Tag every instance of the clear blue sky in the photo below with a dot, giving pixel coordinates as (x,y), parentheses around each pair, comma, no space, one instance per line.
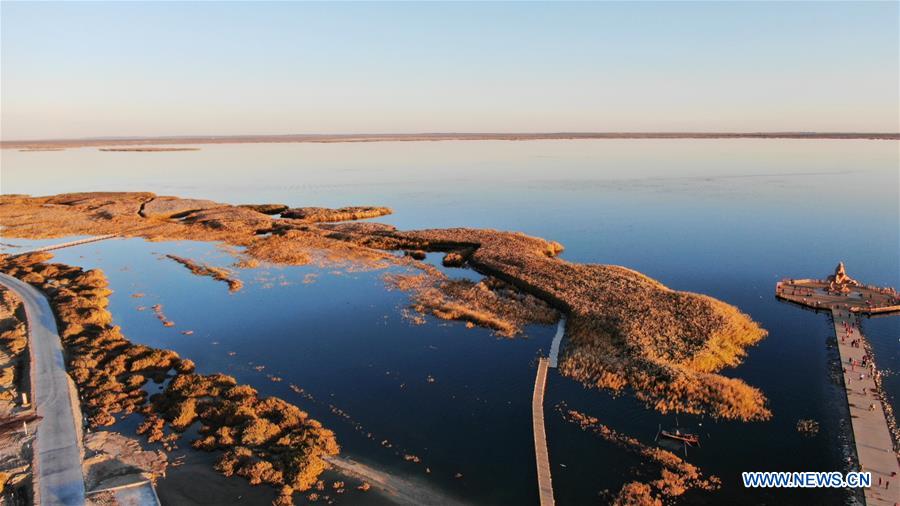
(117,69)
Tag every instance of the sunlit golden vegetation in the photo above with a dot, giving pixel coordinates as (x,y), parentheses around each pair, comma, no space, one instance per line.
(217,273)
(13,354)
(324,214)
(675,476)
(625,331)
(266,440)
(489,303)
(16,446)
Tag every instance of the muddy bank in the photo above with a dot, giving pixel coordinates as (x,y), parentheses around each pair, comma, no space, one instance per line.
(399,490)
(625,330)
(196,482)
(114,460)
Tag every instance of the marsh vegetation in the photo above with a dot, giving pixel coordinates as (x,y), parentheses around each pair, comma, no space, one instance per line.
(217,273)
(625,330)
(266,440)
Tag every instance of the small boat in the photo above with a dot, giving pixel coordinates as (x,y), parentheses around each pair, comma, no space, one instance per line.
(686,439)
(690,439)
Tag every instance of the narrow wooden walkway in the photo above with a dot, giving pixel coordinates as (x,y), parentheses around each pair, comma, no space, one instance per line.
(545,483)
(557,339)
(69,244)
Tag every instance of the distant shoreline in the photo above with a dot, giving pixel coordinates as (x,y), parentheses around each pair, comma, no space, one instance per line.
(148,148)
(328,138)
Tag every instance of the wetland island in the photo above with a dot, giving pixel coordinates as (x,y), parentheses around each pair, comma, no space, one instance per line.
(624,331)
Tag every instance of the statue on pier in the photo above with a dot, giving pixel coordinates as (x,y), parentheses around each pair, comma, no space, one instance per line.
(840,282)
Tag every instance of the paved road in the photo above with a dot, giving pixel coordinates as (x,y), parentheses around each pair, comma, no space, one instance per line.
(58,453)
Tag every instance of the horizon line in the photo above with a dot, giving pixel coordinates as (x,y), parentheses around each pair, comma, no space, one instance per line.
(435,136)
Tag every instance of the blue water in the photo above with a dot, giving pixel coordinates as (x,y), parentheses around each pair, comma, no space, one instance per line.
(726,218)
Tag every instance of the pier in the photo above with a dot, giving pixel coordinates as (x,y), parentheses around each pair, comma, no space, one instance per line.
(557,339)
(846,299)
(542,456)
(545,483)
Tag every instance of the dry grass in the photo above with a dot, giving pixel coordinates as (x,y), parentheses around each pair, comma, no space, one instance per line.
(489,303)
(15,451)
(675,476)
(324,214)
(807,428)
(158,218)
(266,208)
(107,368)
(13,330)
(112,456)
(289,248)
(624,329)
(265,440)
(216,273)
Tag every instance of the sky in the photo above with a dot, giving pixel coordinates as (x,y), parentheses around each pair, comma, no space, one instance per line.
(72,70)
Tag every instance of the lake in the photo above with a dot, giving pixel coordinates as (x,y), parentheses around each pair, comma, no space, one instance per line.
(727,218)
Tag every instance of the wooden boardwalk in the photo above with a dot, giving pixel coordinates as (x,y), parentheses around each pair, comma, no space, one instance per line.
(868,418)
(69,244)
(557,339)
(545,483)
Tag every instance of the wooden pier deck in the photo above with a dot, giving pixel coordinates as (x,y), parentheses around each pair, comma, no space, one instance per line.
(868,418)
(557,339)
(545,483)
(542,456)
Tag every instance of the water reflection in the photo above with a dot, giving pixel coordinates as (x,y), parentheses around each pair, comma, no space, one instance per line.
(725,218)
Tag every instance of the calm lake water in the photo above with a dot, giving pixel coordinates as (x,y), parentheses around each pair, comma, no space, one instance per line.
(727,218)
